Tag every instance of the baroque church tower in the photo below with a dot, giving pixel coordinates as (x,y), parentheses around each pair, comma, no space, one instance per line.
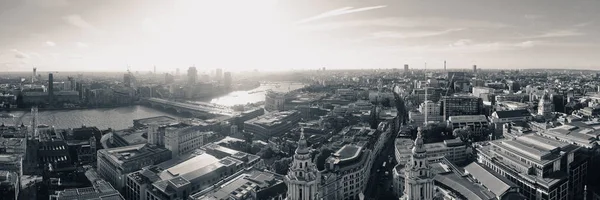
(303,177)
(418,177)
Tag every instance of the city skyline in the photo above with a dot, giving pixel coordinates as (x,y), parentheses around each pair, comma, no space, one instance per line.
(62,35)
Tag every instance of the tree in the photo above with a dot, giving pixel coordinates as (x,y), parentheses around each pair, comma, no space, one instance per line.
(282,166)
(465,134)
(266,153)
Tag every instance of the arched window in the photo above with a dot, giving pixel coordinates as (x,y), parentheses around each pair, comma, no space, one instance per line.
(300,165)
(306,165)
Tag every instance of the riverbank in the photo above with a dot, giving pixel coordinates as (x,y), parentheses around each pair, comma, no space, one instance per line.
(63,109)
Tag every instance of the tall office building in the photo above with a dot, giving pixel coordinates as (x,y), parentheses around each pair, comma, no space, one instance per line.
(51,88)
(405,67)
(219,74)
(474,68)
(303,177)
(461,105)
(419,179)
(72,82)
(227,80)
(192,74)
(34,75)
(444,65)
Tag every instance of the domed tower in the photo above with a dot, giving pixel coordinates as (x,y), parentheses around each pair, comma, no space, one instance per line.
(419,179)
(303,177)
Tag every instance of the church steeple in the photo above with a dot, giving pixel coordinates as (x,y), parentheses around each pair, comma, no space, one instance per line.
(302,179)
(419,179)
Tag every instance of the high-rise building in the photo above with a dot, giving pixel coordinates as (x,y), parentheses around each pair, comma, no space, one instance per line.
(474,68)
(227,80)
(51,88)
(73,83)
(169,78)
(303,177)
(545,107)
(418,176)
(219,74)
(405,67)
(461,105)
(192,74)
(34,75)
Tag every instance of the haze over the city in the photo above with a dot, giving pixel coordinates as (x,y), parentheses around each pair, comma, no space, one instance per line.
(108,35)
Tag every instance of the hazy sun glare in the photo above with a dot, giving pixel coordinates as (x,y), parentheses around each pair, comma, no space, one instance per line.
(219,34)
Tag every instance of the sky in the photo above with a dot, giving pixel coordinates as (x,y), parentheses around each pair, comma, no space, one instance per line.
(238,35)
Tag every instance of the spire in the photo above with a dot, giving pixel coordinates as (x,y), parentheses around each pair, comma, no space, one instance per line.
(302,146)
(419,148)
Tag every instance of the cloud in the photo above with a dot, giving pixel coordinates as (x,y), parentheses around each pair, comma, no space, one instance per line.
(82,45)
(339,11)
(50,43)
(412,34)
(19,54)
(559,33)
(584,24)
(78,21)
(48,3)
(526,44)
(403,22)
(533,16)
(461,42)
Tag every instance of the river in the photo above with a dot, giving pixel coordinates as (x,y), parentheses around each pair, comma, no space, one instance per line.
(122,117)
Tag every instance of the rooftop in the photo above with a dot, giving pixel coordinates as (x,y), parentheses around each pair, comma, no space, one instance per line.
(125,154)
(160,120)
(132,137)
(513,113)
(467,118)
(494,182)
(251,181)
(272,119)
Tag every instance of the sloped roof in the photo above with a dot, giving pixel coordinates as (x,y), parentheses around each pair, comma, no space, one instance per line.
(493,182)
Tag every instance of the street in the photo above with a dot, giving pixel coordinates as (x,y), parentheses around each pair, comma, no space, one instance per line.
(379,185)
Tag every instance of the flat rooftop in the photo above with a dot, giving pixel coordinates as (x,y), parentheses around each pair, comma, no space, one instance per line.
(160,120)
(132,137)
(348,152)
(272,119)
(467,118)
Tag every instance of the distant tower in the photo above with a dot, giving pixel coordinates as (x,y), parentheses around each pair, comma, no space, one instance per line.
(34,75)
(177,72)
(418,177)
(192,74)
(154,69)
(474,68)
(303,177)
(227,80)
(219,74)
(406,67)
(51,88)
(34,122)
(444,65)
